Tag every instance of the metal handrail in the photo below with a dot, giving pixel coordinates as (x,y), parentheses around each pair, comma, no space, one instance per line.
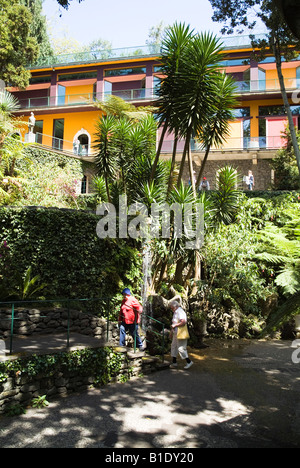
(14,303)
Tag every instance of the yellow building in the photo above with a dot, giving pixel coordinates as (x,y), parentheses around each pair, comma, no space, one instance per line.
(62,94)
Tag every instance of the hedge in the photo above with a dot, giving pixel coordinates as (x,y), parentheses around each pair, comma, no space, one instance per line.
(61,245)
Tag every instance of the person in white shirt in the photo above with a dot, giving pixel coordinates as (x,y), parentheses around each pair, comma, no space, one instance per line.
(178,345)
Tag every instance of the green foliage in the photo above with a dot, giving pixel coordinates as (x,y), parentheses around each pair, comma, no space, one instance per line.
(62,247)
(103,363)
(15,410)
(49,179)
(40,402)
(225,199)
(18,47)
(285,165)
(38,27)
(231,276)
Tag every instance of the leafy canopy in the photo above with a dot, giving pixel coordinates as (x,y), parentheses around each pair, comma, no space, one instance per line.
(17,47)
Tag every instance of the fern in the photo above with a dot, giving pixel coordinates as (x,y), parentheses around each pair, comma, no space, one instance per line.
(291,307)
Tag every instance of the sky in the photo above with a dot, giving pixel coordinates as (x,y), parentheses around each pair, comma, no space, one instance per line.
(125,23)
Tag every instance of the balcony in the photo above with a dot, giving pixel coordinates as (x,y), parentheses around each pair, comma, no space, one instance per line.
(247,144)
(148,94)
(231,144)
(266,86)
(85,99)
(229,42)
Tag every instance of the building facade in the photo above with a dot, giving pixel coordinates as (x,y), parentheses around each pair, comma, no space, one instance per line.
(63,92)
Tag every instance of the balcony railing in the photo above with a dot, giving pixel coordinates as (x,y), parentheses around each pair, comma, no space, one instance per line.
(232,144)
(259,86)
(242,87)
(229,42)
(86,98)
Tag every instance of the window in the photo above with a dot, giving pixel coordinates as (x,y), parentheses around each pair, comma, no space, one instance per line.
(298,77)
(77,76)
(38,130)
(241,112)
(61,95)
(261,79)
(58,134)
(125,71)
(40,79)
(156,84)
(107,87)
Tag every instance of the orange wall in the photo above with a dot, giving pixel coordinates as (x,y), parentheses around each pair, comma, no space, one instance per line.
(73,123)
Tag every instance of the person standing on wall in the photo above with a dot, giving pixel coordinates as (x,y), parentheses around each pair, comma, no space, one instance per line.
(129,318)
(250,180)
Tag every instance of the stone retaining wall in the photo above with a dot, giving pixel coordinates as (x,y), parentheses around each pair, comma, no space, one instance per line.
(49,321)
(21,389)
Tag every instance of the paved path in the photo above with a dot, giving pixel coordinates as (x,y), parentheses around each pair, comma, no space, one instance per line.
(237,394)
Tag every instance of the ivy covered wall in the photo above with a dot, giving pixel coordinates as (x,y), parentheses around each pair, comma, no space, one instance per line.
(61,245)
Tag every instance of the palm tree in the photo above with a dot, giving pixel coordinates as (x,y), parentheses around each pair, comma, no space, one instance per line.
(197,89)
(187,94)
(224,201)
(105,158)
(174,45)
(217,127)
(8,105)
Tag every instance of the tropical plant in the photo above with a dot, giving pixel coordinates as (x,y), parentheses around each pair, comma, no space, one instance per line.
(217,129)
(197,90)
(126,149)
(18,46)
(225,199)
(29,286)
(187,94)
(279,248)
(285,165)
(174,44)
(40,402)
(8,105)
(105,159)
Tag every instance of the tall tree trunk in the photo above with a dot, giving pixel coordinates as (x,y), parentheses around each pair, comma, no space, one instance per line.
(277,53)
(172,163)
(202,166)
(185,150)
(191,170)
(161,140)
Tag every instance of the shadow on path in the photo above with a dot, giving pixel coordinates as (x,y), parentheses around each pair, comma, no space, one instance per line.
(237,394)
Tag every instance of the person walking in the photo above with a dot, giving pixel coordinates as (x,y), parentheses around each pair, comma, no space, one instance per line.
(179,345)
(129,318)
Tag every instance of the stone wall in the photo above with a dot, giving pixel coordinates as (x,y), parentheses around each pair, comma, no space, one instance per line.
(257,162)
(21,389)
(49,321)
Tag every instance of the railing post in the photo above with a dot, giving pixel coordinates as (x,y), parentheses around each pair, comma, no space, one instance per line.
(68,326)
(135,327)
(107,322)
(12,327)
(163,343)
